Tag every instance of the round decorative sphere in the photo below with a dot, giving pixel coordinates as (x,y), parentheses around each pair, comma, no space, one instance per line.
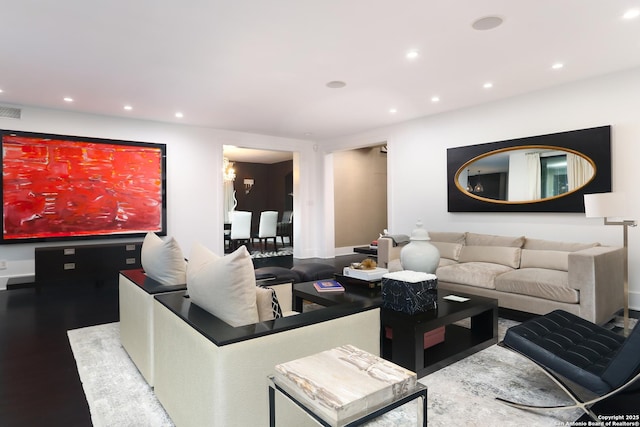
(419,254)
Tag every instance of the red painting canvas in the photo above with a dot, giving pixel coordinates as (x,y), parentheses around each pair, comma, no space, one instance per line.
(57,188)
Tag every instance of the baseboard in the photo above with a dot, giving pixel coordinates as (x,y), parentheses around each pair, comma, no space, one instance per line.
(19,282)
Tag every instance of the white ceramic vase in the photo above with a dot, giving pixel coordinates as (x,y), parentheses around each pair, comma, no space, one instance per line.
(419,254)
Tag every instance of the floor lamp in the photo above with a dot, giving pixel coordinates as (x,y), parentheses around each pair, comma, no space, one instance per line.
(613,205)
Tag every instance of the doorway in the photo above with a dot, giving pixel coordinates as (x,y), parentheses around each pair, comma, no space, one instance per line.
(360,202)
(262,181)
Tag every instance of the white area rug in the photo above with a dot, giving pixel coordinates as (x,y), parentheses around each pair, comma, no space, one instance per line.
(116,392)
(460,394)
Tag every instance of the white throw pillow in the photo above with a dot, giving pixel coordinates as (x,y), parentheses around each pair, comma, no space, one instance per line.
(224,286)
(163,260)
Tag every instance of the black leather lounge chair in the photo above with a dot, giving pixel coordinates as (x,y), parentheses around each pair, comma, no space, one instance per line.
(568,347)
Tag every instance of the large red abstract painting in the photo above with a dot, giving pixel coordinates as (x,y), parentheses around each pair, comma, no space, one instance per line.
(68,188)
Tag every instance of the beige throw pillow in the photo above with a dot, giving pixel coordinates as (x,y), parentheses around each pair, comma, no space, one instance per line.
(553,260)
(509,257)
(448,250)
(162,260)
(224,286)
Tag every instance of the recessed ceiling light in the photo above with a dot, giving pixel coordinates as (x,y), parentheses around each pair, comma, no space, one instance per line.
(128,107)
(68,99)
(413,54)
(179,115)
(393,110)
(336,84)
(487,23)
(435,99)
(557,65)
(1,91)
(631,13)
(487,85)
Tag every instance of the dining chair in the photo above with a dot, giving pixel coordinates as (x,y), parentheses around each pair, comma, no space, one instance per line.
(240,229)
(285,227)
(267,229)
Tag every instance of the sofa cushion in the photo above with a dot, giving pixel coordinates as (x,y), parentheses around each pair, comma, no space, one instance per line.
(539,244)
(447,237)
(162,260)
(538,282)
(493,254)
(475,239)
(481,274)
(224,286)
(446,261)
(448,250)
(554,260)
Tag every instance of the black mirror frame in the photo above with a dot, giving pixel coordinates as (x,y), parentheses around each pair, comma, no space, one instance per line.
(593,143)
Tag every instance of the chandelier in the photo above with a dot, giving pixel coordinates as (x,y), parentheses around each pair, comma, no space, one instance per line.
(228,173)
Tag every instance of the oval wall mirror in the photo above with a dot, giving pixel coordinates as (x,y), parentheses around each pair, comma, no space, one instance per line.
(528,174)
(543,173)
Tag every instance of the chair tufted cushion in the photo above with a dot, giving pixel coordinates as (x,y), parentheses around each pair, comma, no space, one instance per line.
(569,345)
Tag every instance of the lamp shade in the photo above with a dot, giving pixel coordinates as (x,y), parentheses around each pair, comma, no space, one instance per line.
(603,205)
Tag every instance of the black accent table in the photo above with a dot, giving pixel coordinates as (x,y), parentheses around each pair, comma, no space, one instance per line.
(407,346)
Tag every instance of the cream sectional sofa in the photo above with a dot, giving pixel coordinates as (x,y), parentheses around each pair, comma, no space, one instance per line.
(524,274)
(208,373)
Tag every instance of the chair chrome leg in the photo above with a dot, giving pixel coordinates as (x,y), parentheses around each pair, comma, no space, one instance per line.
(578,403)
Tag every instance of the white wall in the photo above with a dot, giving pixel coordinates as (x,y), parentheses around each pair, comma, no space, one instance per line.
(194,178)
(417,173)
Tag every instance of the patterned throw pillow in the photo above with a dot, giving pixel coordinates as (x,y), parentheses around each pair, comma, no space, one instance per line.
(267,303)
(275,305)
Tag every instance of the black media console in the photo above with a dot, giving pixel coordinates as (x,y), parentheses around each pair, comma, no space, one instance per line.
(85,263)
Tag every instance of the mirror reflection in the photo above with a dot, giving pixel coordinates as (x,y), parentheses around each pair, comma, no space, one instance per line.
(525,174)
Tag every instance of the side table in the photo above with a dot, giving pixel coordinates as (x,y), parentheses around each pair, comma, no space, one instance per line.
(345,386)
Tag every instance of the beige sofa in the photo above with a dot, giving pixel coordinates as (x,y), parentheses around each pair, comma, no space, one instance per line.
(524,274)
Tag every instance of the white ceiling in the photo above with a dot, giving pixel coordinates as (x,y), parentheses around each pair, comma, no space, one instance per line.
(262,65)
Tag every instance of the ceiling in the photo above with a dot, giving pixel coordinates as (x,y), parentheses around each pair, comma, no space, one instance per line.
(262,66)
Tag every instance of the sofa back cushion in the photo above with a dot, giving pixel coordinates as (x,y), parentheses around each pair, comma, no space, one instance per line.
(448,250)
(508,256)
(540,244)
(224,286)
(552,260)
(163,261)
(447,236)
(475,239)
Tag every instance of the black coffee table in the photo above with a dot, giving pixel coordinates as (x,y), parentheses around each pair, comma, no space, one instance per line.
(407,347)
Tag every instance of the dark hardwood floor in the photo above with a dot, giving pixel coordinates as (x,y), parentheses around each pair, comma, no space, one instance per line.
(39,382)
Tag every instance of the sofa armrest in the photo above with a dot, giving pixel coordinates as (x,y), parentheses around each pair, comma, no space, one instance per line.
(387,252)
(598,273)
